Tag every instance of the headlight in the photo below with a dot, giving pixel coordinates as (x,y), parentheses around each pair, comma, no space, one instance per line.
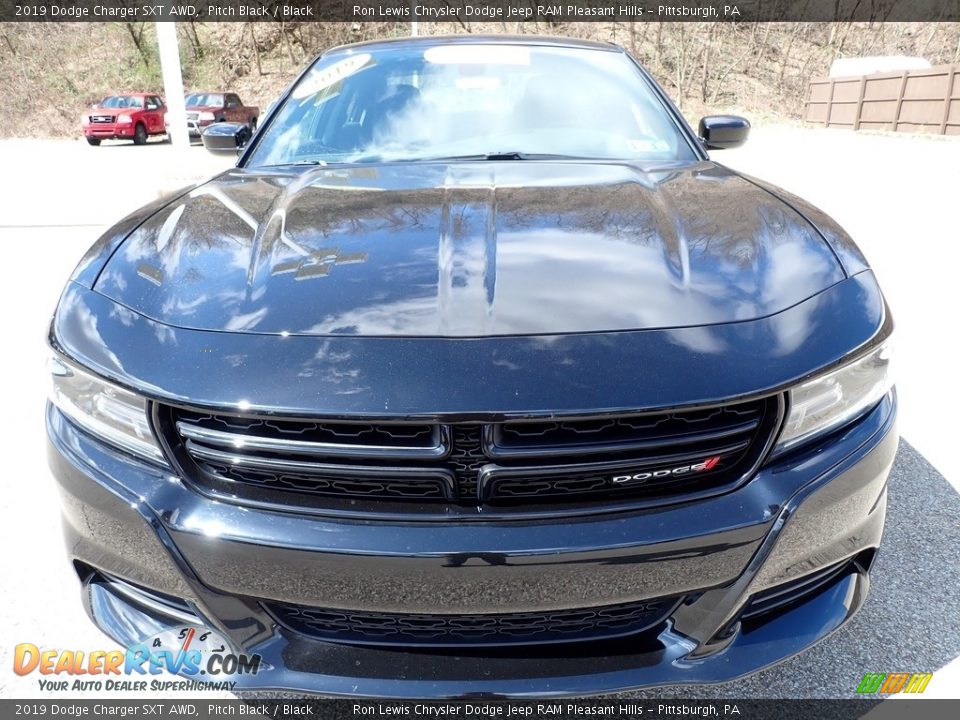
(827,402)
(85,119)
(113,414)
(124,119)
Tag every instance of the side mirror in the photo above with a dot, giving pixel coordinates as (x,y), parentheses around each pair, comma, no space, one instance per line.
(225,138)
(719,132)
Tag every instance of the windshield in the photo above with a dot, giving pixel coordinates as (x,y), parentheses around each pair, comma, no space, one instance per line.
(452,101)
(204,99)
(122,101)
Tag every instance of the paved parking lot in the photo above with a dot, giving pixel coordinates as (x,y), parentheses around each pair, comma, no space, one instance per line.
(893,193)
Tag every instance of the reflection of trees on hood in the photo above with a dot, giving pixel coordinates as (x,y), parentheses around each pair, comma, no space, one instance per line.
(686,211)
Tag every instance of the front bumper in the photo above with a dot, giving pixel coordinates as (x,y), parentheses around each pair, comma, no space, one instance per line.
(109,131)
(823,508)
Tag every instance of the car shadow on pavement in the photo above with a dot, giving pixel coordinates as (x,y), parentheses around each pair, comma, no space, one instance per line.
(910,621)
(109,143)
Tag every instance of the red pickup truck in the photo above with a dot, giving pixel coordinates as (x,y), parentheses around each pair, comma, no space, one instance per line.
(132,116)
(205,108)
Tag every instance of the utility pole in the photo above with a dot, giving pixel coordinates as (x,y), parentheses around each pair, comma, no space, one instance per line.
(172,82)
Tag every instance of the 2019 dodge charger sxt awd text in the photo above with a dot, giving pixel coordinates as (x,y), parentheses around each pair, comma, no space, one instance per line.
(476,375)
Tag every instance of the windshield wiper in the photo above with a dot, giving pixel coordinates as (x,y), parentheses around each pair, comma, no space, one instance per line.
(508,155)
(494,156)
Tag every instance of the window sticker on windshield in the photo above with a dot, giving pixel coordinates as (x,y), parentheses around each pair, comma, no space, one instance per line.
(477,55)
(478,83)
(648,145)
(323,79)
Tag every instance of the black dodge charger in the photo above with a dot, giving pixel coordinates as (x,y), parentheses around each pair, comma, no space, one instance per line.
(475,375)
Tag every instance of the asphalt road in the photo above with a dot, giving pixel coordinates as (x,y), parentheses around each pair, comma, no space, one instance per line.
(895,195)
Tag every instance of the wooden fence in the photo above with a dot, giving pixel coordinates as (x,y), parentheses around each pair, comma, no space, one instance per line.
(911,101)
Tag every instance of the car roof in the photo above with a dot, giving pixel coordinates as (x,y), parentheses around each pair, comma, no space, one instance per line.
(471,39)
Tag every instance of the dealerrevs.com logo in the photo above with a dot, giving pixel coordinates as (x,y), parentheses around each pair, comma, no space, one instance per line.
(199,655)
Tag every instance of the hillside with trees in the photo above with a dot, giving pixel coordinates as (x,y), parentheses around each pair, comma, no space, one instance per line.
(50,72)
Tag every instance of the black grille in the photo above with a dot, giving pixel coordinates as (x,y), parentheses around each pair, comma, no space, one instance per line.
(318,437)
(623,434)
(101,118)
(556,626)
(533,464)
(466,459)
(315,483)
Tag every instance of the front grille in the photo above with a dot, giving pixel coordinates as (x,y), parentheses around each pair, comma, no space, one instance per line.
(101,118)
(309,438)
(193,116)
(466,459)
(317,482)
(524,628)
(504,466)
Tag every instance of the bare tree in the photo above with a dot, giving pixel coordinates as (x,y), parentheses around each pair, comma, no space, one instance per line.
(189,29)
(136,34)
(256,49)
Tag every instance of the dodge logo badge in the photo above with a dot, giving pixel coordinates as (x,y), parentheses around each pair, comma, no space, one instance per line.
(707,464)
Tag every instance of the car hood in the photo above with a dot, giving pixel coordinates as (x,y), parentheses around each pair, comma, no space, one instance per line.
(111,110)
(469,250)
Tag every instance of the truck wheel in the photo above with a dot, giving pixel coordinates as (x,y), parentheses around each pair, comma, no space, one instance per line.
(93,141)
(140,135)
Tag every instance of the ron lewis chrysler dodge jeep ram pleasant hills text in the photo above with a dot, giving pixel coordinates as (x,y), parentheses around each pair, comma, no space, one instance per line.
(476,375)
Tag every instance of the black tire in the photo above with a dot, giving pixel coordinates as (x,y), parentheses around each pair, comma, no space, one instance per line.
(140,135)
(93,141)
(253,125)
